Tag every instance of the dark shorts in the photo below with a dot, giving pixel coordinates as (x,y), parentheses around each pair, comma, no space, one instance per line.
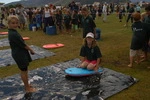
(146,48)
(22,61)
(22,65)
(23,68)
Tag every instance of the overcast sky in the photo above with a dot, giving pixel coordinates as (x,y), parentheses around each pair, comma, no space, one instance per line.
(7,1)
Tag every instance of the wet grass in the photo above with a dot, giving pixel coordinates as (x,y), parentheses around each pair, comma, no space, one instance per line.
(114,45)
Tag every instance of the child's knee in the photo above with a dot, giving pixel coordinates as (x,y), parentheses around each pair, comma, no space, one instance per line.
(90,67)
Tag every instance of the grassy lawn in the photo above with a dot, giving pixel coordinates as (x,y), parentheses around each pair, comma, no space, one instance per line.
(114,45)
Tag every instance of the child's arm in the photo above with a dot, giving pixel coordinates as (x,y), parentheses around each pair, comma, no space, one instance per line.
(31,51)
(82,60)
(97,64)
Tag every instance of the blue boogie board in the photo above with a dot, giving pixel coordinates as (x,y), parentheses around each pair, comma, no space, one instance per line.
(79,72)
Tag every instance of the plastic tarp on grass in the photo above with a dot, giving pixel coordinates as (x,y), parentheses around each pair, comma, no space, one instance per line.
(53,84)
(4,42)
(6,58)
(3,35)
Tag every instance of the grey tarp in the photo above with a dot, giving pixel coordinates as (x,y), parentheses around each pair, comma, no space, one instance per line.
(4,42)
(53,84)
(6,58)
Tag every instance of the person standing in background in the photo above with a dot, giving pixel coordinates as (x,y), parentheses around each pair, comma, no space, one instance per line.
(138,8)
(129,16)
(88,23)
(21,13)
(74,21)
(67,21)
(104,12)
(140,30)
(48,19)
(30,14)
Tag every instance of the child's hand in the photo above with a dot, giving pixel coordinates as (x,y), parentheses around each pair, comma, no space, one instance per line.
(32,52)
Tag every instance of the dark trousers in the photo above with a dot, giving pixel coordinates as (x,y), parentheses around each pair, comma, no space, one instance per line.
(48,22)
(130,17)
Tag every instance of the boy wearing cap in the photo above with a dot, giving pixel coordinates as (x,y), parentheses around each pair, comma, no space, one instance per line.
(88,23)
(90,53)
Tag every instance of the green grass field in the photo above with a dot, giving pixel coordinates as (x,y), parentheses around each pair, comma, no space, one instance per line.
(114,45)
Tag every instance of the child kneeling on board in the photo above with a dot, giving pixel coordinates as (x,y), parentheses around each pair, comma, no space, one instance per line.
(90,53)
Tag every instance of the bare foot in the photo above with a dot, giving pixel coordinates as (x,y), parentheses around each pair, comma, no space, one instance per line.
(129,65)
(30,89)
(30,85)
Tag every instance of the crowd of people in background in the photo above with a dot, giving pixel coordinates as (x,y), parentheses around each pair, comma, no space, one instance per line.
(66,17)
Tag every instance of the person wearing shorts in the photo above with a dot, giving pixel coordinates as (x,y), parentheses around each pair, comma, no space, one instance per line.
(146,46)
(90,53)
(139,30)
(67,21)
(19,51)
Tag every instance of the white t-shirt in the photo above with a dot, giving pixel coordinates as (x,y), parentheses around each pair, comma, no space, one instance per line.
(104,8)
(47,13)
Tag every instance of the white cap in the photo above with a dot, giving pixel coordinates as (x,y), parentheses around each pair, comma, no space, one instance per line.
(46,5)
(90,35)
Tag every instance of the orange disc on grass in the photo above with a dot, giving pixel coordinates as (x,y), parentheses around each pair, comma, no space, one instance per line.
(52,46)
(26,38)
(3,33)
